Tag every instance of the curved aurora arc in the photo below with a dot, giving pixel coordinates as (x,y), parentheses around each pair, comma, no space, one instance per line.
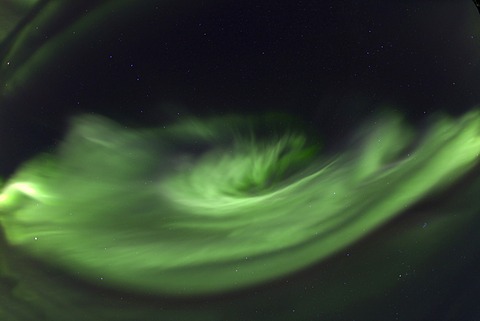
(207,207)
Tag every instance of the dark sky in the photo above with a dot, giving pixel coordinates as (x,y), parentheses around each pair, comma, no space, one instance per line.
(330,62)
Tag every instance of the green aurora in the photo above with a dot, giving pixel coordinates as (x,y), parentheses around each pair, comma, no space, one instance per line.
(229,218)
(215,206)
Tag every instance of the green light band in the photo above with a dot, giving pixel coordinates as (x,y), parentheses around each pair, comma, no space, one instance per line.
(212,206)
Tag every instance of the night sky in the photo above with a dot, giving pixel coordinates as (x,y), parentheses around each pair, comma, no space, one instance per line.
(332,65)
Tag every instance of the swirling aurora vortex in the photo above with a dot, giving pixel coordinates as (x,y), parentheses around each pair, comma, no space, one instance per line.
(203,207)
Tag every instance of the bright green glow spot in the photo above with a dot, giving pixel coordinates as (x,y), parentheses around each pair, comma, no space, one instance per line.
(11,193)
(204,207)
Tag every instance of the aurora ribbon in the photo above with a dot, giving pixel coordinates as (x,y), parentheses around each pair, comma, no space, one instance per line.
(212,206)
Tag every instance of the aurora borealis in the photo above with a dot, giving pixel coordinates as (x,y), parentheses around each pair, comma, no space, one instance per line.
(239,160)
(207,207)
